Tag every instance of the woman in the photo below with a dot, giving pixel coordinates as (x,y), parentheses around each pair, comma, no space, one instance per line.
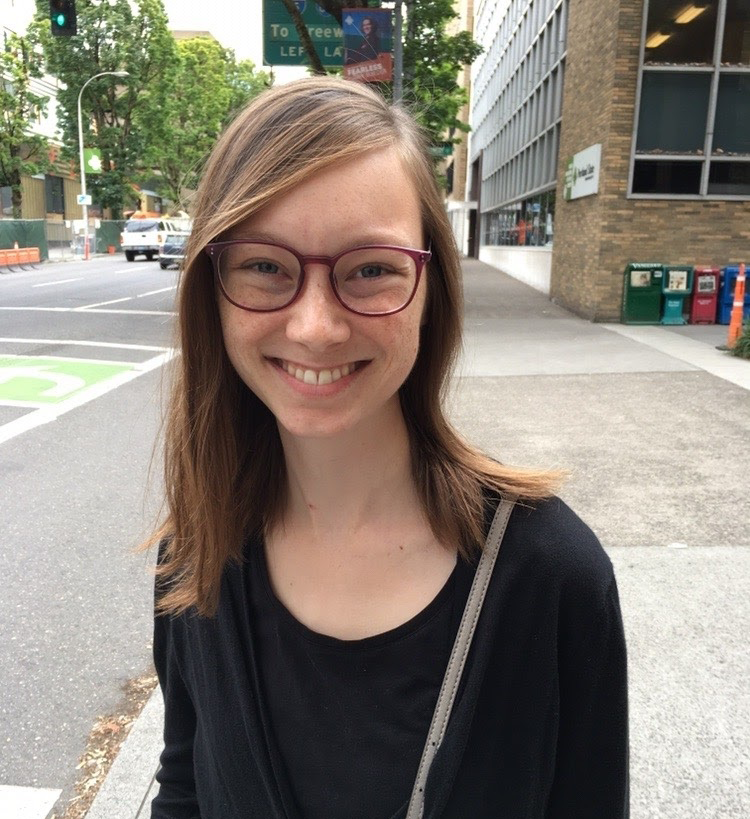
(324,520)
(368,45)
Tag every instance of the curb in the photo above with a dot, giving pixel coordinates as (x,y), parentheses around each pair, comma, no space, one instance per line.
(125,792)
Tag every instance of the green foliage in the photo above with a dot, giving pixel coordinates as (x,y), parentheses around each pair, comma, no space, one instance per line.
(22,152)
(113,35)
(432,62)
(209,86)
(742,345)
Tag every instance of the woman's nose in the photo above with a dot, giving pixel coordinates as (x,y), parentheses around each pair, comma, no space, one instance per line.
(316,318)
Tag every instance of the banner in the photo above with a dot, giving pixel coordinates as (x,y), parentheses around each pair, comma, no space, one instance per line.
(92,160)
(368,45)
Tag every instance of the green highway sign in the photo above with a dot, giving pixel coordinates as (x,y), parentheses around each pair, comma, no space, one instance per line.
(281,43)
(44,381)
(444,149)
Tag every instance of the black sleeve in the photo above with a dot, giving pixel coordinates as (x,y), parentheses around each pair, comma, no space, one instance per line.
(591,774)
(176,798)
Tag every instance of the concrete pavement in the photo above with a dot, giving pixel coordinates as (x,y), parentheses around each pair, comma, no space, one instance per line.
(654,425)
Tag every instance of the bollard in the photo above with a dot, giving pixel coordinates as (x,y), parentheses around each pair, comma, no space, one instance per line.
(735,323)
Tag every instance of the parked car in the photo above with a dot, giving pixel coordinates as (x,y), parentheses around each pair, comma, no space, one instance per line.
(144,237)
(172,251)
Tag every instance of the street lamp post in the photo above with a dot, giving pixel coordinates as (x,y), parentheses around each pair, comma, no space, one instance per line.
(80,150)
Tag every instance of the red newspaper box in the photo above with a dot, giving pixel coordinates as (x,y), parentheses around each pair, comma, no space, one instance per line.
(705,295)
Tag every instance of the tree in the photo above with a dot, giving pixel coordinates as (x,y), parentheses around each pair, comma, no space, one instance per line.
(113,35)
(432,60)
(22,152)
(210,86)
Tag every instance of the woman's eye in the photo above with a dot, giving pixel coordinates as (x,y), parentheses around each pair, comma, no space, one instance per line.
(370,271)
(266,267)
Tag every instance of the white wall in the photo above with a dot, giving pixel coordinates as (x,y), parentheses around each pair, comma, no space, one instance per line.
(531,265)
(458,213)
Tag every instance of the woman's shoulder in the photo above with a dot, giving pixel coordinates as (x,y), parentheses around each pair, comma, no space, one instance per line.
(547,538)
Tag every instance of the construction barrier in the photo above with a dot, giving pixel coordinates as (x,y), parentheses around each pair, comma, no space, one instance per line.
(735,323)
(19,256)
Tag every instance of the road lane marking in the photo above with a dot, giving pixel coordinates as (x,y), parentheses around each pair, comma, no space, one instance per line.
(89,310)
(60,281)
(104,303)
(52,412)
(154,292)
(77,343)
(27,803)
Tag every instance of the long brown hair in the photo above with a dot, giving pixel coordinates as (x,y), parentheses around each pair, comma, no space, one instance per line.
(224,465)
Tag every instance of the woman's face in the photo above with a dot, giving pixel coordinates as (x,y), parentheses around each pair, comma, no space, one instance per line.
(366,27)
(368,200)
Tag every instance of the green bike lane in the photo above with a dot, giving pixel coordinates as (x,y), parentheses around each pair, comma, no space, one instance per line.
(37,389)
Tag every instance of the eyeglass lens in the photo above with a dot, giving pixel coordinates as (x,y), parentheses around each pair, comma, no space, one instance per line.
(367,280)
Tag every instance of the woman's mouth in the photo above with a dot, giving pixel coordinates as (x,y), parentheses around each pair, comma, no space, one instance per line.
(317,377)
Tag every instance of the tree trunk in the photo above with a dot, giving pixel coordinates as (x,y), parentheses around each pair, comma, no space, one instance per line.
(304,37)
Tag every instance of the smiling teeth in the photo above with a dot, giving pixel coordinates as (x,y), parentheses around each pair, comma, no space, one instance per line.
(318,378)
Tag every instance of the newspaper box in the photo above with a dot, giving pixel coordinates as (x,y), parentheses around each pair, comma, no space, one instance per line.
(705,295)
(726,295)
(641,299)
(676,286)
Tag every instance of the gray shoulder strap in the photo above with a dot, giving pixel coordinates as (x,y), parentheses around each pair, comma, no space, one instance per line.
(458,655)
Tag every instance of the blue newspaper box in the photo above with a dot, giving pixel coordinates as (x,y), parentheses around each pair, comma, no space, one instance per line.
(726,295)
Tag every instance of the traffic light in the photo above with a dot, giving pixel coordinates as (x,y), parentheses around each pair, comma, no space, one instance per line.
(62,15)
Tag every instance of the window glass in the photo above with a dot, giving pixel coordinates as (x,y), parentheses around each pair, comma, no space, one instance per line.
(681,31)
(6,208)
(673,112)
(732,124)
(653,176)
(53,188)
(736,46)
(729,178)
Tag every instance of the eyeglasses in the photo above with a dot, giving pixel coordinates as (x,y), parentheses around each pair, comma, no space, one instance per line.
(373,280)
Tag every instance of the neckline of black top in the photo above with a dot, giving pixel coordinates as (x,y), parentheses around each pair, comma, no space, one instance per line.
(287,619)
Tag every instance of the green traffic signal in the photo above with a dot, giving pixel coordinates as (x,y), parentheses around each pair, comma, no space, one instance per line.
(62,14)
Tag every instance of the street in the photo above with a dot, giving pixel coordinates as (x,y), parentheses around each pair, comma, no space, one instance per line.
(75,499)
(651,422)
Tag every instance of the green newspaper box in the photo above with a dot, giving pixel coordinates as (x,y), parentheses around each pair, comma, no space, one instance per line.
(677,285)
(642,293)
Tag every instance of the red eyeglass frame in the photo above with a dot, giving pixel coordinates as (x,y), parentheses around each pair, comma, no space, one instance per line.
(213,251)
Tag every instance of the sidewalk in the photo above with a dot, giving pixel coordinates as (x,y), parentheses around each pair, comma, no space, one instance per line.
(654,424)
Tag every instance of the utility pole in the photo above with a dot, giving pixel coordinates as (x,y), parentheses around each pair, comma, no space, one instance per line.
(398,55)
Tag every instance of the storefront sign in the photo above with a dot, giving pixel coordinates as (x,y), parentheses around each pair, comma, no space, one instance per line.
(582,173)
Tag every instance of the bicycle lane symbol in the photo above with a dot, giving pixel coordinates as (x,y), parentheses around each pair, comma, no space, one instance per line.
(39,382)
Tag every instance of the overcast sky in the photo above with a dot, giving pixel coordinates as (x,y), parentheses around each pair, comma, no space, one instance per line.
(236,24)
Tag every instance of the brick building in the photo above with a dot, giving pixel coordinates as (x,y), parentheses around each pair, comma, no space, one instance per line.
(610,131)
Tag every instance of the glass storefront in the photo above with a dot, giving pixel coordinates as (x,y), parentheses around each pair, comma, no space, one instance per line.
(529,223)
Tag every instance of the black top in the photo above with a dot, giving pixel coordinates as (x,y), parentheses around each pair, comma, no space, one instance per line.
(538,730)
(351,713)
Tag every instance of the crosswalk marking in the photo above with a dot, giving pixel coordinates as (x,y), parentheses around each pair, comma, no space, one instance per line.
(26,803)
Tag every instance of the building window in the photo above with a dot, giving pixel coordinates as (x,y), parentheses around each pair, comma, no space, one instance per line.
(736,45)
(528,223)
(6,202)
(53,189)
(691,137)
(673,113)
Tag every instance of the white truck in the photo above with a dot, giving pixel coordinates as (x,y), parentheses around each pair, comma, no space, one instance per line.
(144,237)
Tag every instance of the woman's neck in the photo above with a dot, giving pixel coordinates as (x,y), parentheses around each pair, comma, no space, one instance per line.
(341,486)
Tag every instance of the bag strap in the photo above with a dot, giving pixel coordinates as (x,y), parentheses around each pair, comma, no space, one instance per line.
(458,655)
